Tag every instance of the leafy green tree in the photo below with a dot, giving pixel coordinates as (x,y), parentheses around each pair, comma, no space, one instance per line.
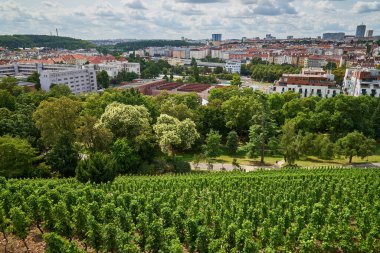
(238,111)
(97,168)
(132,122)
(124,76)
(291,142)
(212,146)
(63,157)
(35,78)
(355,144)
(16,157)
(59,90)
(57,118)
(94,138)
(236,80)
(324,148)
(7,100)
(8,83)
(175,135)
(218,70)
(262,129)
(19,224)
(232,142)
(103,79)
(126,157)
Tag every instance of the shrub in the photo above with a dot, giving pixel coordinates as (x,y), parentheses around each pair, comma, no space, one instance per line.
(97,168)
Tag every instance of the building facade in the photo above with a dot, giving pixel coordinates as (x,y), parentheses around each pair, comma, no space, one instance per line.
(334,36)
(114,68)
(311,82)
(233,67)
(79,80)
(362,81)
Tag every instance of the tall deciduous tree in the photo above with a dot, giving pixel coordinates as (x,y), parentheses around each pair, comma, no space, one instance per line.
(56,118)
(132,122)
(355,144)
(212,147)
(262,130)
(175,135)
(238,112)
(93,137)
(63,157)
(236,80)
(291,142)
(7,100)
(35,78)
(232,142)
(103,79)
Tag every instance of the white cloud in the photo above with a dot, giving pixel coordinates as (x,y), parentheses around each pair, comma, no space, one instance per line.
(189,18)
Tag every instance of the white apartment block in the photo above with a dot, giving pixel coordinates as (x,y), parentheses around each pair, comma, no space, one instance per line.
(216,53)
(233,67)
(362,81)
(26,69)
(199,53)
(312,82)
(79,80)
(113,68)
(314,63)
(308,90)
(283,59)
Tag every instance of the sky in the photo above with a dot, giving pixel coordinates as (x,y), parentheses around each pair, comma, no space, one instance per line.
(195,19)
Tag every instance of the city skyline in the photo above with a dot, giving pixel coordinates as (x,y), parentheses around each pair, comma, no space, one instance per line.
(196,19)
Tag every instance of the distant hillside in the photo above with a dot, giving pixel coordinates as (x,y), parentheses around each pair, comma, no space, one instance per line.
(135,45)
(28,41)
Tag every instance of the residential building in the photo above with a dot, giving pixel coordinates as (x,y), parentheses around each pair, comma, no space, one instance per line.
(216,53)
(360,31)
(233,67)
(362,81)
(79,80)
(311,82)
(199,53)
(216,37)
(182,53)
(113,68)
(334,36)
(313,62)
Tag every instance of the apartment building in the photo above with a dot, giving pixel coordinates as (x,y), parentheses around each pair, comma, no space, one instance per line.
(26,69)
(233,67)
(362,81)
(113,68)
(311,82)
(79,80)
(313,62)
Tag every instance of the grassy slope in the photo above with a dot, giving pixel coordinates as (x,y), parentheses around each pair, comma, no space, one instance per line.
(304,161)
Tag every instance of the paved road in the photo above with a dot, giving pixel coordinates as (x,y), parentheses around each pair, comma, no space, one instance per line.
(229,167)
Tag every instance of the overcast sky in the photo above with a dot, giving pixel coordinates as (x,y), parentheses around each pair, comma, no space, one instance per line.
(197,19)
